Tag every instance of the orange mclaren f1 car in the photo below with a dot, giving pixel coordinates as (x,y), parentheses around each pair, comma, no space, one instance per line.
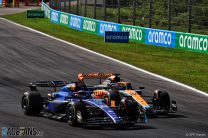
(112,90)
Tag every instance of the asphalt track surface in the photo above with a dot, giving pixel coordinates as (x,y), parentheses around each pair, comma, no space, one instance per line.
(26,56)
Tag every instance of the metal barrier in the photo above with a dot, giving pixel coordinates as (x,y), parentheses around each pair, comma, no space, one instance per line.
(164,38)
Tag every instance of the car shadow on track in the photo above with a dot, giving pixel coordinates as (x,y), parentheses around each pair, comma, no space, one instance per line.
(161,116)
(127,128)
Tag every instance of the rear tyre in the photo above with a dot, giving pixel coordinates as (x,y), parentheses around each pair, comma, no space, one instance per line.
(32,103)
(76,114)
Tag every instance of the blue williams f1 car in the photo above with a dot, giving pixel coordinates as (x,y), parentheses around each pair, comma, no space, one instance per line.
(74,103)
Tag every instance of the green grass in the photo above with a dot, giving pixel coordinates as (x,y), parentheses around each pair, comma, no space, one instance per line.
(186,67)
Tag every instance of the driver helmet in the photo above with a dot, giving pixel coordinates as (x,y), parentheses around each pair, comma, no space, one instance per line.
(120,86)
(71,87)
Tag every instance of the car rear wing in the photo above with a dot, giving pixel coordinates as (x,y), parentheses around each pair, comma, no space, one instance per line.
(53,84)
(98,75)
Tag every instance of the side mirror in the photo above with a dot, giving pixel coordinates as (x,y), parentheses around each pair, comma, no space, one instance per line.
(141,88)
(138,92)
(33,87)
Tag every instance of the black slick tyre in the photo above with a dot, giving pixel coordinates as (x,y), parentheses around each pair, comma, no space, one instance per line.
(161,100)
(32,103)
(75,114)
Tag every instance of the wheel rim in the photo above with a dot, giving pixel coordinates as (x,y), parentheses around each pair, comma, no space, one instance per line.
(79,117)
(70,114)
(24,104)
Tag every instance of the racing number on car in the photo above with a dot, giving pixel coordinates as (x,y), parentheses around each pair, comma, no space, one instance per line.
(99,93)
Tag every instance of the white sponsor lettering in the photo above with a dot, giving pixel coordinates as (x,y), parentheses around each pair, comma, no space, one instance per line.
(54,16)
(169,39)
(159,37)
(107,27)
(134,33)
(117,37)
(75,22)
(193,42)
(205,45)
(89,25)
(200,44)
(64,19)
(189,44)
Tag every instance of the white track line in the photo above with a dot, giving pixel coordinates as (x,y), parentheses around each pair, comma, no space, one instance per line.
(131,66)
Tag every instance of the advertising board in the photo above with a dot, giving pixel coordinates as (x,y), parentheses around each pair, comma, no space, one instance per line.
(107,26)
(90,25)
(54,16)
(116,37)
(160,37)
(64,18)
(192,42)
(75,22)
(136,33)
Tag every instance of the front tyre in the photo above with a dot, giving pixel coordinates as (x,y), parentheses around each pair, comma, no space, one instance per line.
(129,108)
(161,101)
(75,113)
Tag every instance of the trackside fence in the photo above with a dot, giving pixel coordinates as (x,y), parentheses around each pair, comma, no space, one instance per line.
(164,38)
